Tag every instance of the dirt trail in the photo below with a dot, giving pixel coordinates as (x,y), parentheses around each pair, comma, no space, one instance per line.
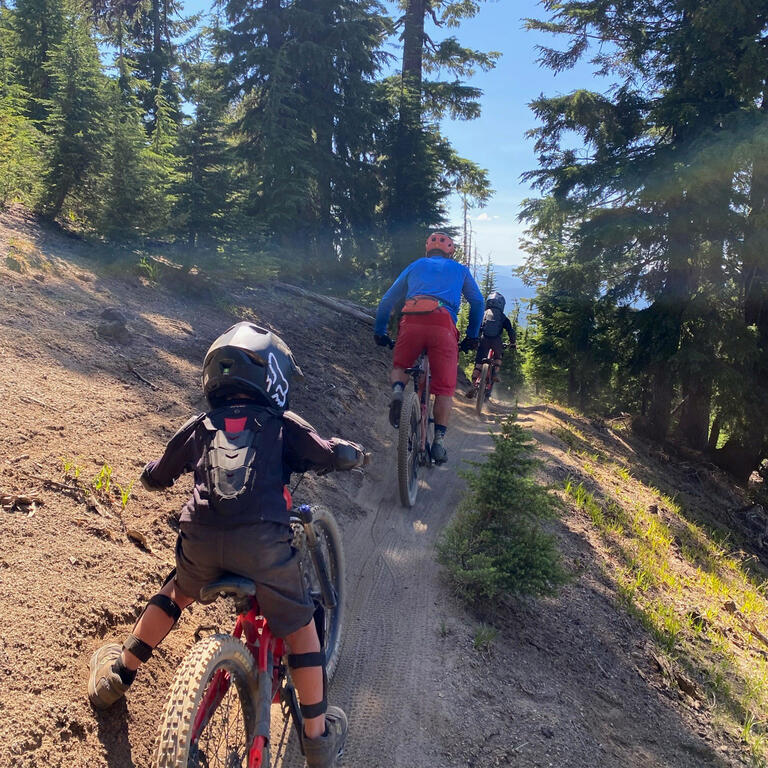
(393,680)
(566,683)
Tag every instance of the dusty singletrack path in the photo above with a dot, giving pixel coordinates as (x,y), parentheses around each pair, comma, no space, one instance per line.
(390,674)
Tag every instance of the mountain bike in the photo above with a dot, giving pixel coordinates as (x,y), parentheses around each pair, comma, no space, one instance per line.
(218,711)
(484,385)
(416,432)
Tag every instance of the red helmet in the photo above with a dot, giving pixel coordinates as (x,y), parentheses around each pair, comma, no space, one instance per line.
(439,241)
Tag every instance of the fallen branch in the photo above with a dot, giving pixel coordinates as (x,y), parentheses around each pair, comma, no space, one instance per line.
(326,301)
(141,378)
(35,401)
(72,490)
(749,625)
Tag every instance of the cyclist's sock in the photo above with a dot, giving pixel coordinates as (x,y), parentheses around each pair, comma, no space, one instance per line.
(126,675)
(398,386)
(440,431)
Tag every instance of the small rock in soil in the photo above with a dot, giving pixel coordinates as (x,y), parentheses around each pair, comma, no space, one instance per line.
(113,326)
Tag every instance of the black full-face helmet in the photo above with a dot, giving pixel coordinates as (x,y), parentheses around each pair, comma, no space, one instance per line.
(250,360)
(495,301)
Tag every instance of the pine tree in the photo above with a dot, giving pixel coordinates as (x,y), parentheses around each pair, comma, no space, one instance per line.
(415,171)
(304,69)
(21,159)
(661,186)
(38,27)
(206,181)
(76,114)
(488,284)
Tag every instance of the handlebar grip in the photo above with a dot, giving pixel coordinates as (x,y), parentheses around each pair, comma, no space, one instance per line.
(367,458)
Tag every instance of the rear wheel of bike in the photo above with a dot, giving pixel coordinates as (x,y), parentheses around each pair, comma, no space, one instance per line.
(408,450)
(210,717)
(485,373)
(330,620)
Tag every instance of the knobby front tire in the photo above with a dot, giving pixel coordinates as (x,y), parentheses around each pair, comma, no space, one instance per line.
(329,539)
(480,399)
(226,738)
(408,449)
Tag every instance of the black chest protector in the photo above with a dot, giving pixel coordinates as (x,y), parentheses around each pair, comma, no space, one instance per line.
(493,322)
(243,460)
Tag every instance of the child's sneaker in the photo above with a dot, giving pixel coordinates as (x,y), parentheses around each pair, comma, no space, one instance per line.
(323,751)
(395,406)
(105,686)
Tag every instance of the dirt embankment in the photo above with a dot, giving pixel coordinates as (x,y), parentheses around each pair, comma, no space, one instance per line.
(566,682)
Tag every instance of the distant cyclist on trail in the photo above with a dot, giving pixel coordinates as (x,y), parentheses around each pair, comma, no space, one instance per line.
(495,322)
(241,453)
(429,292)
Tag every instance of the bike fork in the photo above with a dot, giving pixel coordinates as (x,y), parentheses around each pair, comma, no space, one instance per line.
(328,592)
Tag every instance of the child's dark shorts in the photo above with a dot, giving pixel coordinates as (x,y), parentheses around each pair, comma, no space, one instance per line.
(261,552)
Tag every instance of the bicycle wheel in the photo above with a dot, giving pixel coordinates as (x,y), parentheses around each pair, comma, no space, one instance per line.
(408,450)
(330,620)
(481,388)
(213,710)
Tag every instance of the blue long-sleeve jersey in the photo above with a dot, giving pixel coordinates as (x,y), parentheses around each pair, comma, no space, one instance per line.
(441,278)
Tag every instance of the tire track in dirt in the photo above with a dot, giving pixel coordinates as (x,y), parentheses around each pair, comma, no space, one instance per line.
(386,680)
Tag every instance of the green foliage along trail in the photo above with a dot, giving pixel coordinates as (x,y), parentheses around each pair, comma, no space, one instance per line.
(495,546)
(648,242)
(257,132)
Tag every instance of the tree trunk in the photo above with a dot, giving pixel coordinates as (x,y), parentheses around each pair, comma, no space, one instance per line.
(573,389)
(413,44)
(693,426)
(157,47)
(272,24)
(669,308)
(714,433)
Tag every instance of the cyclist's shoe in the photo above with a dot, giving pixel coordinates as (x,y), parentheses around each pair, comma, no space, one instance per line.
(104,685)
(438,452)
(395,406)
(325,750)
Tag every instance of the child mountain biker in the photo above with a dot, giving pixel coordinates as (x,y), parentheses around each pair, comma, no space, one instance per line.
(495,322)
(429,291)
(242,453)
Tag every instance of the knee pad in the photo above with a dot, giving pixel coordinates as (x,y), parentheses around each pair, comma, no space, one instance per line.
(316,659)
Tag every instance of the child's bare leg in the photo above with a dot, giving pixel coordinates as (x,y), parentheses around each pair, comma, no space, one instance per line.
(308,680)
(154,624)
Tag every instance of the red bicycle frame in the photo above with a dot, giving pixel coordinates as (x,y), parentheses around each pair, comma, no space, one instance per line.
(263,646)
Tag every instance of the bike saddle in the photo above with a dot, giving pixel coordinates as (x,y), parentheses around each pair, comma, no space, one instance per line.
(229,585)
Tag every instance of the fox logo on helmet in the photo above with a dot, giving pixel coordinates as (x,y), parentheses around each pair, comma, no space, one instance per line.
(277,384)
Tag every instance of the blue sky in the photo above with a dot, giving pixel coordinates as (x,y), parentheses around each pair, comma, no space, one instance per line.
(496,140)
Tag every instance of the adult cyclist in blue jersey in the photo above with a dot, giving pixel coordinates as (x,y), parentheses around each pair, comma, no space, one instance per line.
(429,292)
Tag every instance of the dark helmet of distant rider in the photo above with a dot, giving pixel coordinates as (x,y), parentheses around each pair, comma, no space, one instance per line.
(251,360)
(495,301)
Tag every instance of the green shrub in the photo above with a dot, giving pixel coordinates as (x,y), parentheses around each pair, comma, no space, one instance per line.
(495,546)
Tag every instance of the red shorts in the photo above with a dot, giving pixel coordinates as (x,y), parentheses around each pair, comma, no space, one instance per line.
(437,334)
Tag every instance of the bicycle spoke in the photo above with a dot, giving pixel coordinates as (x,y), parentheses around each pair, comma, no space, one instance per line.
(222,743)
